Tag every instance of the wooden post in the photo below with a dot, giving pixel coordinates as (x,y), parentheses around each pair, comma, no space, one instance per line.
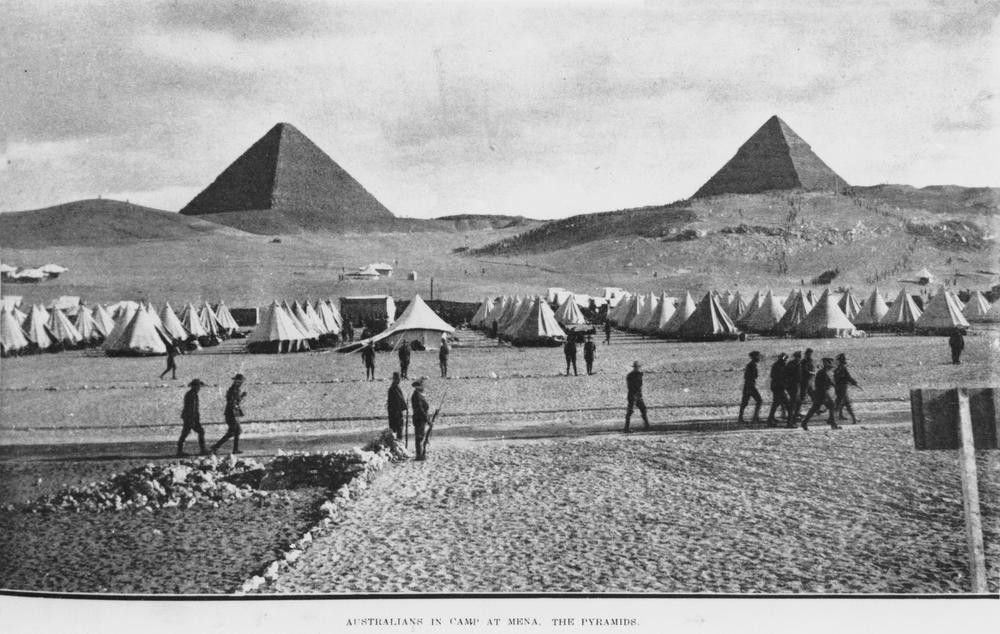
(970,495)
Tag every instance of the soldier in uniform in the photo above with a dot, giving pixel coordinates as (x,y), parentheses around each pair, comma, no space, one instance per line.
(841,380)
(396,404)
(957,343)
(404,358)
(823,396)
(633,381)
(569,350)
(807,381)
(368,358)
(750,388)
(792,387)
(233,411)
(191,416)
(421,418)
(779,397)
(589,353)
(443,356)
(607,332)
(171,361)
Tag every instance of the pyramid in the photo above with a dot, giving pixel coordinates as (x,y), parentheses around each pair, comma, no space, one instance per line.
(773,158)
(284,181)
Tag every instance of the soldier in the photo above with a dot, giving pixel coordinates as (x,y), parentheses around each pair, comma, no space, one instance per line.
(793,386)
(807,381)
(841,379)
(191,416)
(589,353)
(233,411)
(368,358)
(823,395)
(495,328)
(779,397)
(607,332)
(421,418)
(957,343)
(171,361)
(569,350)
(443,356)
(404,358)
(396,404)
(750,388)
(633,381)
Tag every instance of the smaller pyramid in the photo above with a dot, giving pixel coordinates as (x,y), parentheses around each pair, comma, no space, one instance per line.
(775,157)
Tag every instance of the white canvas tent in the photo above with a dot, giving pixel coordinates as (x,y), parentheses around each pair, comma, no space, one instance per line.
(681,314)
(661,316)
(417,323)
(12,339)
(140,337)
(62,329)
(276,332)
(36,328)
(942,314)
(826,320)
(569,313)
(903,313)
(708,321)
(765,319)
(849,305)
(873,311)
(172,324)
(537,326)
(977,307)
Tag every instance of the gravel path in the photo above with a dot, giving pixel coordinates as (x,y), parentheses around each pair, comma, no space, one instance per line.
(852,511)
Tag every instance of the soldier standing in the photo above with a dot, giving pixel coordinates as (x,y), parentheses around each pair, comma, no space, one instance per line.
(569,349)
(607,332)
(234,411)
(368,358)
(443,356)
(171,360)
(404,358)
(778,395)
(957,343)
(841,379)
(793,387)
(633,381)
(396,404)
(750,388)
(823,396)
(589,353)
(191,416)
(421,418)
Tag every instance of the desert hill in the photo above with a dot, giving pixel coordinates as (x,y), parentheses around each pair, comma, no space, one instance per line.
(467,222)
(99,223)
(865,236)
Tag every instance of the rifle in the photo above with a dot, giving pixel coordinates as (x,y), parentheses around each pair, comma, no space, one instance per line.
(430,424)
(407,430)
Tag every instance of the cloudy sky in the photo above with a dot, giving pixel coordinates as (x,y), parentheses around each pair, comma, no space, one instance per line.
(542,109)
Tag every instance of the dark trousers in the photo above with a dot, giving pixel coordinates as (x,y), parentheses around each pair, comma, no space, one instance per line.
(571,361)
(821,400)
(370,371)
(635,401)
(844,402)
(444,367)
(607,336)
(171,367)
(404,366)
(956,355)
(778,399)
(396,424)
(420,439)
(233,430)
(191,426)
(590,365)
(750,392)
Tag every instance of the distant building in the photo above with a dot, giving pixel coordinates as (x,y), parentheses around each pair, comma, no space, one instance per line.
(383,269)
(923,277)
(368,309)
(365,273)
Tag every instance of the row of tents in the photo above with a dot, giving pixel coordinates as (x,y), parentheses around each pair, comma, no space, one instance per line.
(125,328)
(525,320)
(296,327)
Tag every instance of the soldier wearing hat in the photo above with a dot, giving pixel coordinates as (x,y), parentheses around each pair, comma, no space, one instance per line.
(589,353)
(750,388)
(421,418)
(841,379)
(191,417)
(443,354)
(779,398)
(396,404)
(823,396)
(232,413)
(633,381)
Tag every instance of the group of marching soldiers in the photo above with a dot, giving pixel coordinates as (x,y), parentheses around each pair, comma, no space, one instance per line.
(796,379)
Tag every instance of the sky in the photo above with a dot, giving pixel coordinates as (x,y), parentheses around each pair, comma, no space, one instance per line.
(538,109)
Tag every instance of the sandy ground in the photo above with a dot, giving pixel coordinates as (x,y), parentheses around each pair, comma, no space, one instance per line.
(851,511)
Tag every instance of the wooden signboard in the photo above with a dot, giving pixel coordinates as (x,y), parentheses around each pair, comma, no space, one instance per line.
(965,419)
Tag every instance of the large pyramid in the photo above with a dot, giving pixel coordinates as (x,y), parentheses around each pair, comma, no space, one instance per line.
(283,183)
(773,158)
